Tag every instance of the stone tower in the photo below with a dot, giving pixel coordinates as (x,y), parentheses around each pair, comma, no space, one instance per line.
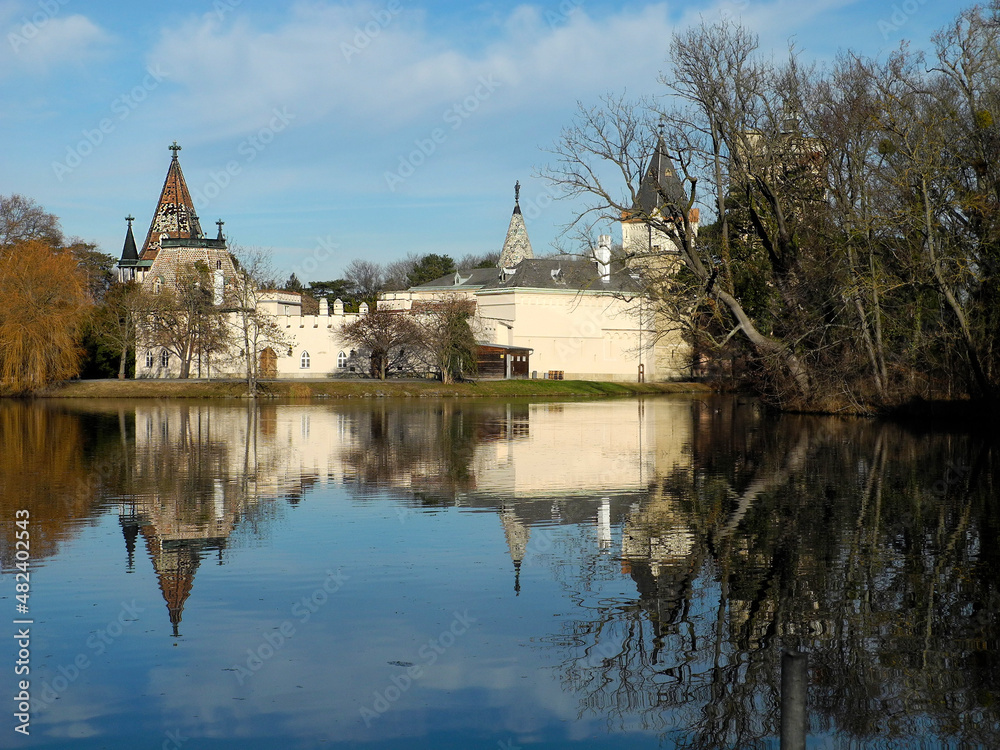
(517,246)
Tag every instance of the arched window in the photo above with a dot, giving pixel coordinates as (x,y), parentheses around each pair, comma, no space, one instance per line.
(218,265)
(304,361)
(165,358)
(341,360)
(149,359)
(158,285)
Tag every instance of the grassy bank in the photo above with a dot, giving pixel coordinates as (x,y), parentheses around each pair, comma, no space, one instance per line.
(361,389)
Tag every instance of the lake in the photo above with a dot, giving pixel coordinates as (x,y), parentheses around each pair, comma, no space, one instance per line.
(496,575)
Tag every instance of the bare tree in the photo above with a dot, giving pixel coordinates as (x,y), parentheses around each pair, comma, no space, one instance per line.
(390,337)
(21,220)
(117,319)
(447,339)
(184,321)
(398,271)
(367,278)
(254,327)
(616,140)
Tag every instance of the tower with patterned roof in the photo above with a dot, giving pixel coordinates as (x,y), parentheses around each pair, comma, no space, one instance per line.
(175,217)
(517,246)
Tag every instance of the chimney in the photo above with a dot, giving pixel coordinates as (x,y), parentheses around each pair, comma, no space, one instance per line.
(602,254)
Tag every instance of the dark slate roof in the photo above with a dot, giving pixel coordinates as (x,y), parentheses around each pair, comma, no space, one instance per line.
(660,181)
(129,252)
(562,273)
(472,278)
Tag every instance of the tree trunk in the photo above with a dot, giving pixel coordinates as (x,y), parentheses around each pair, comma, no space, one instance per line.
(982,382)
(766,345)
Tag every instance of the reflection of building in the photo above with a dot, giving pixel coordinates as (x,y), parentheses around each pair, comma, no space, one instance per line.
(202,470)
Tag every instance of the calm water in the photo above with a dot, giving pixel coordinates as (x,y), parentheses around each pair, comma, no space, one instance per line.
(446,574)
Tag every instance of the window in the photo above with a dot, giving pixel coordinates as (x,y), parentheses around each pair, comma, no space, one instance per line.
(158,285)
(149,359)
(218,265)
(165,358)
(304,361)
(341,360)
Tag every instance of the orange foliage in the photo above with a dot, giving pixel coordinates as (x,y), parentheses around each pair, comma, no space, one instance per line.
(45,304)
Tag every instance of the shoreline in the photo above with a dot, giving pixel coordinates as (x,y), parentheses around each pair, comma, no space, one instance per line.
(351,389)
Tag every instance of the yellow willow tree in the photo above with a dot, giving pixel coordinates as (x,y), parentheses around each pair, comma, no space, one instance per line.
(45,304)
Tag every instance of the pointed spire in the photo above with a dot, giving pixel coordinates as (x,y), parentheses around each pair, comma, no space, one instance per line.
(219,223)
(175,216)
(661,191)
(517,246)
(129,252)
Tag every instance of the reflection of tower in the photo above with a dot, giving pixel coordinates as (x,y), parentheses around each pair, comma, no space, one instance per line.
(517,534)
(660,552)
(129,520)
(604,525)
(175,562)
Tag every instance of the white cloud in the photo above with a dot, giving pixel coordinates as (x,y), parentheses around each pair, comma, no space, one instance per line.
(362,64)
(39,38)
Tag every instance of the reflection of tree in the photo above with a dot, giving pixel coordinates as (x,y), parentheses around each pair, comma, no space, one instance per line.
(826,535)
(54,465)
(427,450)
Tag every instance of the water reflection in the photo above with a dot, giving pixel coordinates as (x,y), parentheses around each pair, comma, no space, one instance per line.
(678,546)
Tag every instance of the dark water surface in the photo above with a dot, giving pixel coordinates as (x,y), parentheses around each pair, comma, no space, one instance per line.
(454,574)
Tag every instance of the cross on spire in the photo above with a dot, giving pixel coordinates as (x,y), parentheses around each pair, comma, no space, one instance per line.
(175,148)
(219,223)
(130,218)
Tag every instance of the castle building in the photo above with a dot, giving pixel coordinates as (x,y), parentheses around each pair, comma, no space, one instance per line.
(583,318)
(576,317)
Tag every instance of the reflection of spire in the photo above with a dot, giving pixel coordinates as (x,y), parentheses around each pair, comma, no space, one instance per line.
(517,534)
(175,562)
(130,529)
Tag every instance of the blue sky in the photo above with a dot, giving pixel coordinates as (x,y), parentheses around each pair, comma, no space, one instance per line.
(328,131)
